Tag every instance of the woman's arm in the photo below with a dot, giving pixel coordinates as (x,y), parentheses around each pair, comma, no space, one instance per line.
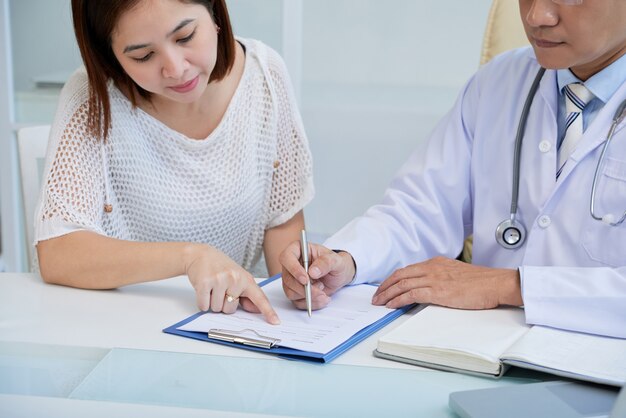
(92,261)
(277,238)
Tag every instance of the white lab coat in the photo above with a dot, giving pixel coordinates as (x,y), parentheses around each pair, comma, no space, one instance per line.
(573,268)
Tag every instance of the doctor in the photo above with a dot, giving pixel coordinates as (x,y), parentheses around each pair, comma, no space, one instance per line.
(536,242)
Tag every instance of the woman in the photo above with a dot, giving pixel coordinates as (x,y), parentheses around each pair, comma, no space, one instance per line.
(178,150)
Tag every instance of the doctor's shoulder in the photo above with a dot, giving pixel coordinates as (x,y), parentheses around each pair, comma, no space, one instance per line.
(508,70)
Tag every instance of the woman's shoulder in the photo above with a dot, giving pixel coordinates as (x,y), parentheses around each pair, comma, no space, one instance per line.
(77,83)
(75,92)
(267,56)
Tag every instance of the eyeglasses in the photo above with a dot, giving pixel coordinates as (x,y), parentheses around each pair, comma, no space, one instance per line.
(568,2)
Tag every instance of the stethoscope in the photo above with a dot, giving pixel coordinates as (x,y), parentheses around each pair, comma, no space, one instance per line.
(511,233)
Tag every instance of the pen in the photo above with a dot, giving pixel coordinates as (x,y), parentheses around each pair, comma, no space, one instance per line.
(305,263)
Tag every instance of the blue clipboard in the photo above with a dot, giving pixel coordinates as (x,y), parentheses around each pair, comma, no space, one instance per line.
(290,353)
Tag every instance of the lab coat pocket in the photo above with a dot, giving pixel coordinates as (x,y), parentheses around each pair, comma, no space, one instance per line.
(605,243)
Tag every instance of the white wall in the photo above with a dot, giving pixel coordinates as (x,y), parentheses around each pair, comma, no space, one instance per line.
(43,40)
(376,76)
(260,19)
(397,42)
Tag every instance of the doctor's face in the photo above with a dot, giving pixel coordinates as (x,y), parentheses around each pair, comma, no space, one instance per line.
(585,38)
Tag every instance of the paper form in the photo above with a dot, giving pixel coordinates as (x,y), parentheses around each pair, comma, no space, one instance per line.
(349,311)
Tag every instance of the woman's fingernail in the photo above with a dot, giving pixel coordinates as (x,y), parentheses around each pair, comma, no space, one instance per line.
(314,272)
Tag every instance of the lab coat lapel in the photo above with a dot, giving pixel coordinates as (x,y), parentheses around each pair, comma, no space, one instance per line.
(548,91)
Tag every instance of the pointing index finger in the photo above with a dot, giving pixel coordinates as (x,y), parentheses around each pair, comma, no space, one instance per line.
(259,299)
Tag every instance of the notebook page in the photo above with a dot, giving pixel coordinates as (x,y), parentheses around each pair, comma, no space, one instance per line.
(599,357)
(453,336)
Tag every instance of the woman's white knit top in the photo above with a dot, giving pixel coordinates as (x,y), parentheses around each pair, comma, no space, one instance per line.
(253,172)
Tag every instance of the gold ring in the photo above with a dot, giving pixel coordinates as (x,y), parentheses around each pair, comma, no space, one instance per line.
(230,298)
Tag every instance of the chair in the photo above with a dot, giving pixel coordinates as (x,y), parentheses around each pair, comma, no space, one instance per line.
(504,31)
(31,144)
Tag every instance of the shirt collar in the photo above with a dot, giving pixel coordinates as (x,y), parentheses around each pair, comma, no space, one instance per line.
(602,84)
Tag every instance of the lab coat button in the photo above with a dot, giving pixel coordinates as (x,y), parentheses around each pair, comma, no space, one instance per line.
(544,221)
(545,146)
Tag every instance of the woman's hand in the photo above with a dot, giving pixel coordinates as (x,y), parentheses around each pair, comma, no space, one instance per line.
(328,271)
(452,283)
(221,284)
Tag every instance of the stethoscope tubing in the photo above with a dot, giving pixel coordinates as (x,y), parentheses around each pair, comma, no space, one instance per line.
(504,228)
(617,118)
(511,233)
(521,129)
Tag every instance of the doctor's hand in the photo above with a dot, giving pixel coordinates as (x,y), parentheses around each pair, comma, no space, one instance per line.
(447,282)
(329,272)
(221,284)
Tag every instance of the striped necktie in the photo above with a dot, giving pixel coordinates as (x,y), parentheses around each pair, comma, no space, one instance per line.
(576,98)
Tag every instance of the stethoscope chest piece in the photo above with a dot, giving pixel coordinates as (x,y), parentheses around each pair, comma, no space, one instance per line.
(510,234)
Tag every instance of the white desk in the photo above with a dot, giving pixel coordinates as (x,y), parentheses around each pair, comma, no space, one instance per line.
(66,351)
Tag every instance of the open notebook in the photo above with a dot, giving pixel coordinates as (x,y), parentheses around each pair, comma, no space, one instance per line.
(486,342)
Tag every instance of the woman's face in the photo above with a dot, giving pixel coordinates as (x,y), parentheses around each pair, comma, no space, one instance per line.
(167,47)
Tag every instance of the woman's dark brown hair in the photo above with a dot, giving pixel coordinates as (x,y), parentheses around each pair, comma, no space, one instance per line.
(95,20)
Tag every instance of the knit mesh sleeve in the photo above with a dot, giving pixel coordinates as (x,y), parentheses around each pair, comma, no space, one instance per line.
(292,183)
(72,196)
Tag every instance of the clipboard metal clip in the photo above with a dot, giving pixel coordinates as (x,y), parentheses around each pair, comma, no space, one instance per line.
(260,341)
